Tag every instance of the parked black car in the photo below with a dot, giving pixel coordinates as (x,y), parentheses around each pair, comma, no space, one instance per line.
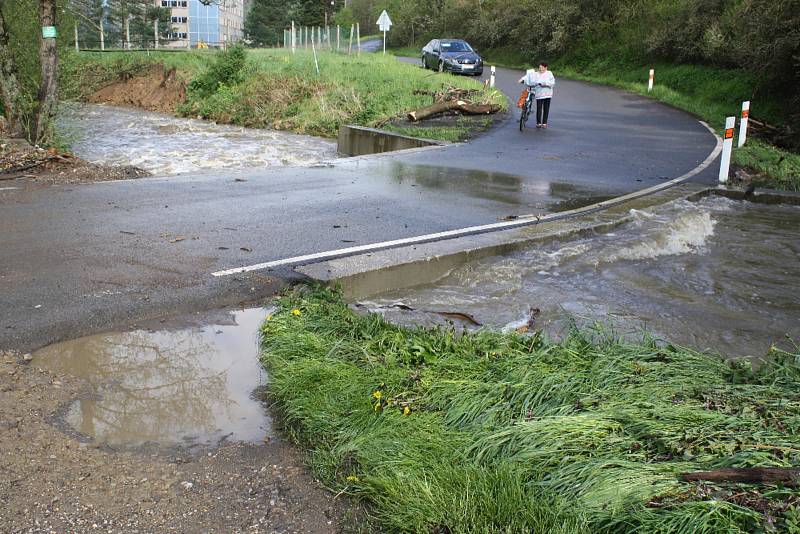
(452,55)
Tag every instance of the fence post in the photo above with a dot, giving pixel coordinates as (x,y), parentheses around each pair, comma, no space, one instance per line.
(727,148)
(77,44)
(650,81)
(330,43)
(338,38)
(358,37)
(293,36)
(102,37)
(352,31)
(314,50)
(127,32)
(743,123)
(155,32)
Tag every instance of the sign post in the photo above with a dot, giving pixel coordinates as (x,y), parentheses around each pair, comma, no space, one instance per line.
(385,24)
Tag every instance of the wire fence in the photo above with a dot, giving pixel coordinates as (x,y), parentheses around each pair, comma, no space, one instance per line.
(162,44)
(331,38)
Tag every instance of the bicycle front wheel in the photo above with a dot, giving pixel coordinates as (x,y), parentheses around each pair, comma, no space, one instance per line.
(523,117)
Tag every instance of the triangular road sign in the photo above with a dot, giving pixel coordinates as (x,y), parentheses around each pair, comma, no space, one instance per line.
(384,22)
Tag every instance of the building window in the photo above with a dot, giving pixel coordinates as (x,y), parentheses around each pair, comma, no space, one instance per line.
(179,20)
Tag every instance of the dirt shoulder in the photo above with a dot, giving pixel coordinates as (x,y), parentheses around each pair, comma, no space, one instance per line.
(53,482)
(21,162)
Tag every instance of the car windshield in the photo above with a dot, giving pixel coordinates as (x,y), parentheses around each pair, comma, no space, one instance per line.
(455,46)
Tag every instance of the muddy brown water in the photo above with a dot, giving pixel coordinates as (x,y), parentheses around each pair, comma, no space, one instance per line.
(193,386)
(715,275)
(165,145)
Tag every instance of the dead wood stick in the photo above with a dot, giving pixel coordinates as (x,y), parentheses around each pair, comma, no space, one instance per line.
(21,168)
(747,475)
(460,105)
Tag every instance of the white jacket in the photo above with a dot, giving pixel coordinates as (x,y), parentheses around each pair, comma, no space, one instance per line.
(541,82)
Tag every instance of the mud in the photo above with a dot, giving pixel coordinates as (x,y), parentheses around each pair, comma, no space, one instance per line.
(159,89)
(24,165)
(58,478)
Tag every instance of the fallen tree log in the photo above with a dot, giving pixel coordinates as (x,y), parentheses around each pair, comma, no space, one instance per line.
(747,475)
(453,105)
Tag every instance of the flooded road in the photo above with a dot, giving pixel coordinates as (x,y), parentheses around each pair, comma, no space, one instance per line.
(191,386)
(716,274)
(163,144)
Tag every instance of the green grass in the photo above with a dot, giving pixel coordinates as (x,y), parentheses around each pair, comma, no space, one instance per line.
(464,128)
(282,91)
(437,430)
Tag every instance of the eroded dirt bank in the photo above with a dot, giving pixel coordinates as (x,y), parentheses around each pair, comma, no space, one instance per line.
(158,89)
(53,482)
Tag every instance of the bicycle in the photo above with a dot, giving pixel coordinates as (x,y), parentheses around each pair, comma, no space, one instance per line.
(526,112)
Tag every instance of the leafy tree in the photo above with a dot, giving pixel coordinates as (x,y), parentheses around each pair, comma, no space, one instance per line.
(266,21)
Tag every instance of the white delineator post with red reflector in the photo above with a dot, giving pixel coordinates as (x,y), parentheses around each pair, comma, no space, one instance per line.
(650,81)
(727,148)
(743,123)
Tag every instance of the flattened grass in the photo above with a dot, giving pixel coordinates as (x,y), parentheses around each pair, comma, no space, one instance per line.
(443,431)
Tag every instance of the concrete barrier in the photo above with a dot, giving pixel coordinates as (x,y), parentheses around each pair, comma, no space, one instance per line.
(360,141)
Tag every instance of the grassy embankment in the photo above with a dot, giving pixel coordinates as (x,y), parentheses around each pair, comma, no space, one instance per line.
(275,89)
(707,92)
(441,431)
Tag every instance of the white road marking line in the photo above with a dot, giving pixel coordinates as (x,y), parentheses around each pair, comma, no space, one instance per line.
(461,232)
(8,188)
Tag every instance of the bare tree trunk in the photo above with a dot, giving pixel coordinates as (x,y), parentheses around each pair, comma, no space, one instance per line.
(467,108)
(48,91)
(127,32)
(9,85)
(748,475)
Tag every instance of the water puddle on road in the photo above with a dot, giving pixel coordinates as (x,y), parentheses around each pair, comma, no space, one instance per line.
(715,275)
(189,387)
(525,194)
(163,144)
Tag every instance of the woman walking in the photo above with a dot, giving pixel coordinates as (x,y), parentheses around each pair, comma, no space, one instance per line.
(542,83)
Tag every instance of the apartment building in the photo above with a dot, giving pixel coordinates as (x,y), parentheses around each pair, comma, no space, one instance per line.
(194,23)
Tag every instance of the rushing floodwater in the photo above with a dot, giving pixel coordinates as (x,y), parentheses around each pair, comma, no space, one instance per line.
(163,144)
(716,274)
(189,386)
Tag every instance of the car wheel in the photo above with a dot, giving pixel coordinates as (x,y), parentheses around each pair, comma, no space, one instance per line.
(424,63)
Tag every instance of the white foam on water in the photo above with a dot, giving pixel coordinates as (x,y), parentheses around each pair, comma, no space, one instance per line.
(166,145)
(685,234)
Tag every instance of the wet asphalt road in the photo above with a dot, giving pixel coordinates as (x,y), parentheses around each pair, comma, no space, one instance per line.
(80,259)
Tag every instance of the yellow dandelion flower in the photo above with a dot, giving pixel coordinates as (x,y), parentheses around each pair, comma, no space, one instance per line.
(269,317)
(406,410)
(377,406)
(377,394)
(352,478)
(296,312)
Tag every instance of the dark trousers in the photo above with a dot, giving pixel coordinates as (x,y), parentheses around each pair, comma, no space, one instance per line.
(542,110)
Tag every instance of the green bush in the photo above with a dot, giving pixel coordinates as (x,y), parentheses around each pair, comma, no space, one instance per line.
(226,70)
